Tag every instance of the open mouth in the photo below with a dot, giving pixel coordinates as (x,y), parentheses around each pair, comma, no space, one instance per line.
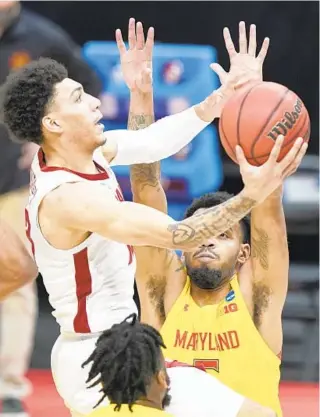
(98,123)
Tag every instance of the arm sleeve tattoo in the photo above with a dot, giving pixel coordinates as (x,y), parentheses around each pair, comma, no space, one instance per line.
(211,222)
(143,175)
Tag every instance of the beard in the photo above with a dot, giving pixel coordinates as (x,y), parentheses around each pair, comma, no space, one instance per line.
(166,400)
(210,279)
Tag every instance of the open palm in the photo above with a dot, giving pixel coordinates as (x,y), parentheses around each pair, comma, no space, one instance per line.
(245,65)
(136,61)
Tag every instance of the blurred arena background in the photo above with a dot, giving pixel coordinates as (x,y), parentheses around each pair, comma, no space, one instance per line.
(189,37)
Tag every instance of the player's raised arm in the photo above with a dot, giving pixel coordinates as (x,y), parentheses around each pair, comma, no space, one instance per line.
(145,178)
(270,256)
(135,224)
(152,263)
(16,265)
(170,134)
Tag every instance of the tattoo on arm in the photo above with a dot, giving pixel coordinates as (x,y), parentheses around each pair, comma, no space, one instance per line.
(195,230)
(143,175)
(139,121)
(260,247)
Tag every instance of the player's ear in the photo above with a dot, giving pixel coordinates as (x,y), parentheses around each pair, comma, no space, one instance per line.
(162,379)
(244,253)
(51,124)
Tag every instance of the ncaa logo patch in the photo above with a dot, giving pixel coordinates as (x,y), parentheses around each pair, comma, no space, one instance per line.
(230,296)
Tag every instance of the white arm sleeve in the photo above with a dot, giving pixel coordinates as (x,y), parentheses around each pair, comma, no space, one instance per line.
(158,141)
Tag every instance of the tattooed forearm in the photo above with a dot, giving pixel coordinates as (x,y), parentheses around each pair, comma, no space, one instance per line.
(143,175)
(260,247)
(195,230)
(139,121)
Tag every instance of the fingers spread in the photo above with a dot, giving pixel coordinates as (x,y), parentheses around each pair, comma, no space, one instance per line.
(140,36)
(242,38)
(229,43)
(264,49)
(275,152)
(252,41)
(120,43)
(132,33)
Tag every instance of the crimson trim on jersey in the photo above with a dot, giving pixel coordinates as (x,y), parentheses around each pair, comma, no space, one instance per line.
(102,175)
(83,290)
(28,231)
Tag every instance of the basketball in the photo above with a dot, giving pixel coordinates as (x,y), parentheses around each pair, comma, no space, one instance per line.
(255,116)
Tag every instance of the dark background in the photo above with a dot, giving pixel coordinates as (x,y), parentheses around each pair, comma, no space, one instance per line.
(293,57)
(293,60)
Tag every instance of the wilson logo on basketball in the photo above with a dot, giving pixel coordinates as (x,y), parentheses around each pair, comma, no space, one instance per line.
(287,123)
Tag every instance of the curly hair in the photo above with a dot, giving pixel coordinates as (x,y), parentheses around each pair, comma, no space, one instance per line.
(26,95)
(125,359)
(214,199)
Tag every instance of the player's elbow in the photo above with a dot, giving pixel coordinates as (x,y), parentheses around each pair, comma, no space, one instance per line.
(25,270)
(16,273)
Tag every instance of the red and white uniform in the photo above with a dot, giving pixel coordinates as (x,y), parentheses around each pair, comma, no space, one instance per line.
(90,286)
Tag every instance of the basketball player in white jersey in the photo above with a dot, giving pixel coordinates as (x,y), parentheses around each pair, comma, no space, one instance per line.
(128,364)
(16,265)
(79,228)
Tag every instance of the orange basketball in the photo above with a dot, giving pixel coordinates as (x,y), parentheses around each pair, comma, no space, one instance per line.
(255,116)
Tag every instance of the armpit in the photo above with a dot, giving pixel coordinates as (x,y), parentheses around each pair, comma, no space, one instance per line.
(261,297)
(156,287)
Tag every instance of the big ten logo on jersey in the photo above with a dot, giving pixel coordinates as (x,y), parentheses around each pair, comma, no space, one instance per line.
(119,197)
(228,307)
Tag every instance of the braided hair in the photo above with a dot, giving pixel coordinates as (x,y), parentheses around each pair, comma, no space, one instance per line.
(124,361)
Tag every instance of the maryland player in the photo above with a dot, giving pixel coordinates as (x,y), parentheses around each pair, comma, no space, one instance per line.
(222,308)
(83,250)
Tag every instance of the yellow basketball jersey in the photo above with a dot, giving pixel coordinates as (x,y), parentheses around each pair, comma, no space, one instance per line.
(137,411)
(223,339)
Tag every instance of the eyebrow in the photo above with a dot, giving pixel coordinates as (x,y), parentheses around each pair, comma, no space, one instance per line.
(76,90)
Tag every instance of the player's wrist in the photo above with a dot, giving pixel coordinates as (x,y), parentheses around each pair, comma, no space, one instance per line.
(141,95)
(141,103)
(252,193)
(210,108)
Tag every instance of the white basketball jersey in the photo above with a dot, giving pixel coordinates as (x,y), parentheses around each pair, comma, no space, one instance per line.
(90,286)
(195,393)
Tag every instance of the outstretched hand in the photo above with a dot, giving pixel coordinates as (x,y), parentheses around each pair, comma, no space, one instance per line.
(136,61)
(245,65)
